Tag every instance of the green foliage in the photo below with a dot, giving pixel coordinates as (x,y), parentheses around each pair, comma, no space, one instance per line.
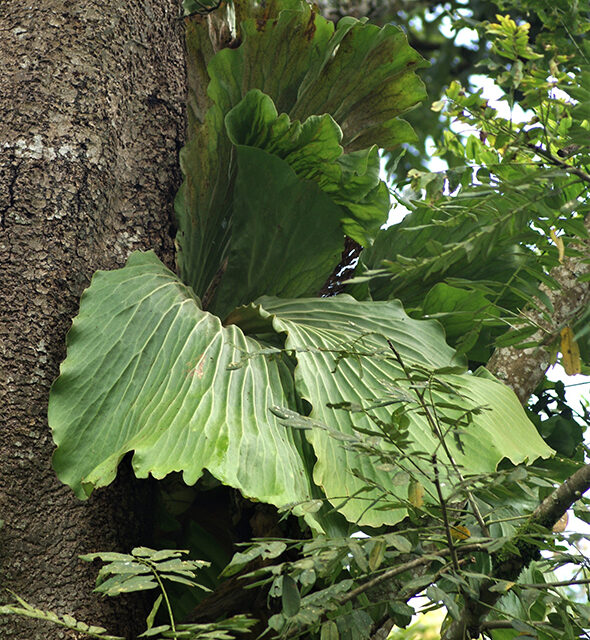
(26,610)
(296,59)
(557,422)
(283,250)
(169,407)
(470,242)
(475,247)
(185,392)
(351,363)
(440,33)
(141,570)
(477,242)
(192,7)
(339,579)
(470,259)
(313,150)
(370,406)
(192,394)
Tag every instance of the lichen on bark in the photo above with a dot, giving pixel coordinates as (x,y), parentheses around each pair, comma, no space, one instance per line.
(91,120)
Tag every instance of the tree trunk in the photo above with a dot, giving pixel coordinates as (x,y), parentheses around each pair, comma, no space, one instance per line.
(91,121)
(524,369)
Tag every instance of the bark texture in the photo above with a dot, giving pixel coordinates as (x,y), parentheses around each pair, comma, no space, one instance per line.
(524,369)
(91,121)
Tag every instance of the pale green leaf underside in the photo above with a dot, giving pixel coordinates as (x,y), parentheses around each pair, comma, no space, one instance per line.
(147,371)
(321,330)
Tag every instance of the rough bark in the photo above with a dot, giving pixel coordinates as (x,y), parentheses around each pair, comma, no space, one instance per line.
(91,120)
(524,369)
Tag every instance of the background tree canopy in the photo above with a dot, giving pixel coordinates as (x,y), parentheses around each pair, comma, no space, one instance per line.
(364,409)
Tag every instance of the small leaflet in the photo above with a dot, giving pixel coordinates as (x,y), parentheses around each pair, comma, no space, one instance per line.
(570,352)
(416,493)
(558,243)
(459,532)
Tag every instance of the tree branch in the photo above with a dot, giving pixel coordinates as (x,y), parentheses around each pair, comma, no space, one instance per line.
(551,585)
(471,622)
(382,633)
(558,502)
(558,162)
(402,568)
(523,369)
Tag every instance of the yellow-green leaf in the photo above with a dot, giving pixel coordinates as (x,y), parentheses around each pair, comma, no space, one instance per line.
(570,352)
(416,493)
(377,554)
(558,243)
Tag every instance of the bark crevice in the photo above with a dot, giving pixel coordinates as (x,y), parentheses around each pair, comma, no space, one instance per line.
(87,175)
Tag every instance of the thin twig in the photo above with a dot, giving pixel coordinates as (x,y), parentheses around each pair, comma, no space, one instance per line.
(407,595)
(549,585)
(559,162)
(443,508)
(436,430)
(476,512)
(412,564)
